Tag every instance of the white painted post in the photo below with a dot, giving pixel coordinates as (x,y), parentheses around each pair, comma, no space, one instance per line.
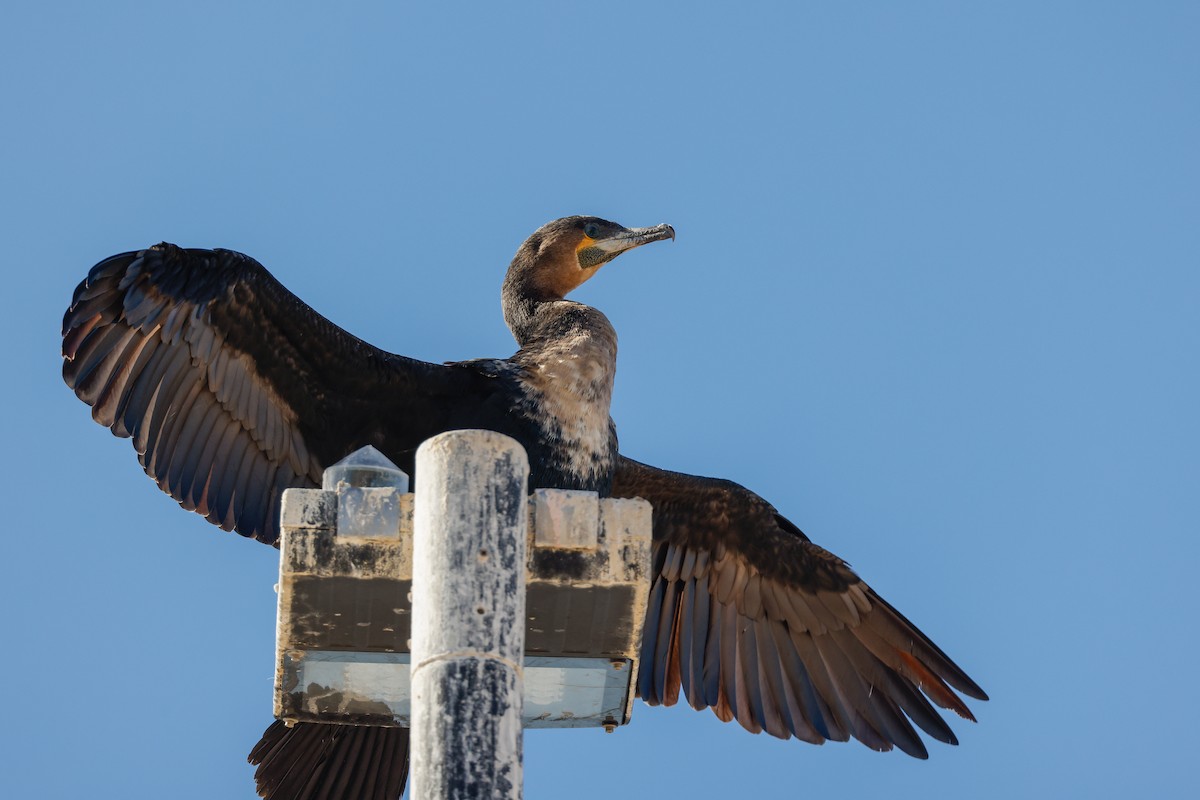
(470,522)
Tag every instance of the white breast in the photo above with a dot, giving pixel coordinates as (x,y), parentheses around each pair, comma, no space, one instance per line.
(573,382)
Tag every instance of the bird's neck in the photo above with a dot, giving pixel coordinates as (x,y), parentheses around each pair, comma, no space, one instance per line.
(537,321)
(563,328)
(521,315)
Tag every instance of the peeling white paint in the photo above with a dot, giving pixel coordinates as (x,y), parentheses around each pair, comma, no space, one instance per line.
(468,616)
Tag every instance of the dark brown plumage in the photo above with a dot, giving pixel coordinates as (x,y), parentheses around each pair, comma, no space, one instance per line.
(326,762)
(232,390)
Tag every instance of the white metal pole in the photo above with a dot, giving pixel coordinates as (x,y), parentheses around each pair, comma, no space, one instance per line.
(468,626)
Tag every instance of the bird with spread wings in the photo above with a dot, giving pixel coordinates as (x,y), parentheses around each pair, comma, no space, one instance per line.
(233,390)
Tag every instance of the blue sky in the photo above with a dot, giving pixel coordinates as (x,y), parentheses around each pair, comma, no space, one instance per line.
(934,294)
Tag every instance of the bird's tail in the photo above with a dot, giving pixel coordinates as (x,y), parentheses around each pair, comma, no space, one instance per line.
(316,761)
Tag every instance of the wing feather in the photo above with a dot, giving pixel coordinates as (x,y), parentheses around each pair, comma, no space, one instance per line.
(209,433)
(230,455)
(183,459)
(312,761)
(110,405)
(776,712)
(666,625)
(712,653)
(701,604)
(135,417)
(156,421)
(101,356)
(807,722)
(834,708)
(778,633)
(746,685)
(687,630)
(229,385)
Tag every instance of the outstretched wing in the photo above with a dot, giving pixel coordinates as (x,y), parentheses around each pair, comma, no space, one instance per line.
(231,388)
(748,617)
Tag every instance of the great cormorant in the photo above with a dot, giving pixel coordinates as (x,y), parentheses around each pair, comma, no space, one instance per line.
(233,390)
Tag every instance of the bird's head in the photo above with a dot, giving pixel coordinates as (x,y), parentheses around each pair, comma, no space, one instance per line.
(561,255)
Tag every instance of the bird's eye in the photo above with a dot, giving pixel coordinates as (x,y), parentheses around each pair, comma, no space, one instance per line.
(591,230)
